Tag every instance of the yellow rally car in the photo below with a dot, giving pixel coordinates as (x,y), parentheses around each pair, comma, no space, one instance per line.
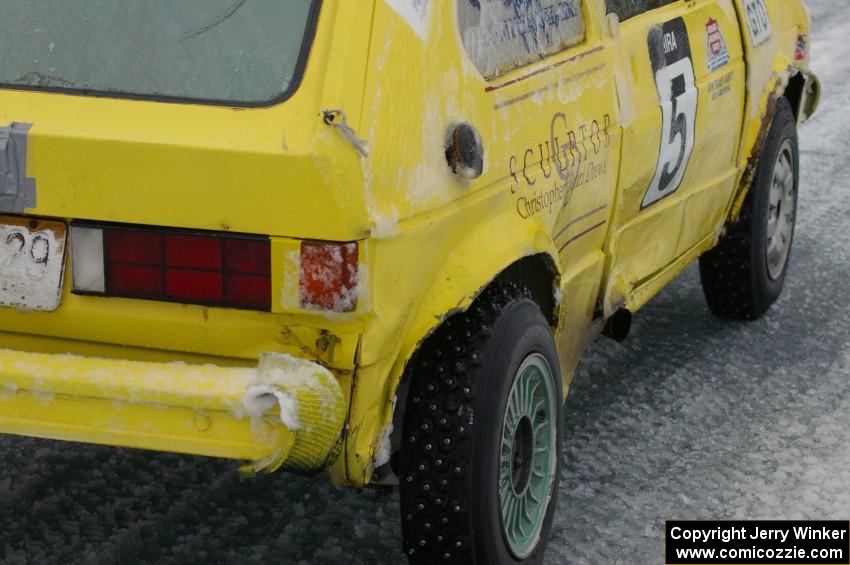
(373,238)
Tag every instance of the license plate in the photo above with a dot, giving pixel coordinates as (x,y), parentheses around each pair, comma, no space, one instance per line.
(32,263)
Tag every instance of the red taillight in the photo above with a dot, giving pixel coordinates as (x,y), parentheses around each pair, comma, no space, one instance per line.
(329,276)
(194,286)
(247,256)
(134,280)
(190,268)
(248,290)
(134,247)
(193,252)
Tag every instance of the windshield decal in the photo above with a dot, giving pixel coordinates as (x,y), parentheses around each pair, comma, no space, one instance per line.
(501,35)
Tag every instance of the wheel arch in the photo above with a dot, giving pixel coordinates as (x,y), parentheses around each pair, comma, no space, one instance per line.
(801,88)
(803,92)
(495,251)
(537,273)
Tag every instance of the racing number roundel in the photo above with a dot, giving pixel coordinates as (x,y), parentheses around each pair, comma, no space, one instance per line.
(670,52)
(758,20)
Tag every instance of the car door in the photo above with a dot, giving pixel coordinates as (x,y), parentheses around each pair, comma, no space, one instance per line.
(680,82)
(550,87)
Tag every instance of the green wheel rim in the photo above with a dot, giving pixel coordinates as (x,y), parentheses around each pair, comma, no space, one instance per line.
(527,455)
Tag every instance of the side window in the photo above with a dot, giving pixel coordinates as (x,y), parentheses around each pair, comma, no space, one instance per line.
(626,9)
(501,35)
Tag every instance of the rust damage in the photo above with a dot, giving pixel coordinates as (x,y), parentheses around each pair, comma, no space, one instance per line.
(807,107)
(754,160)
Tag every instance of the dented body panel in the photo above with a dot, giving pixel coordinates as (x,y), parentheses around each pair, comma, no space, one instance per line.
(775,58)
(579,182)
(200,410)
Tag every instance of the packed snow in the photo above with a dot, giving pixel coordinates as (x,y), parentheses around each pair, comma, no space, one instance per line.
(692,417)
(263,398)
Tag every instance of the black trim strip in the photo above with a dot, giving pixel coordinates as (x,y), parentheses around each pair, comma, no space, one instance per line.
(580,218)
(581,235)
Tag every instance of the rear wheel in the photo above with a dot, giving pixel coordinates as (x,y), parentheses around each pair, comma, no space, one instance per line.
(482,436)
(743,276)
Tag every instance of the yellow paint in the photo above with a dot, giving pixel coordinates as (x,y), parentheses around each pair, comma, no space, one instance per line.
(770,67)
(645,240)
(429,241)
(61,396)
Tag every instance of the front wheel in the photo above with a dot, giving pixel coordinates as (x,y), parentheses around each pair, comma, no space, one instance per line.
(482,436)
(744,275)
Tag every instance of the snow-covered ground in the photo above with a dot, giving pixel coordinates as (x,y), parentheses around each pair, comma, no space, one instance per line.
(691,418)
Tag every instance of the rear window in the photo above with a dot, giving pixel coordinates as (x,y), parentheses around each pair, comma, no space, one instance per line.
(501,35)
(242,52)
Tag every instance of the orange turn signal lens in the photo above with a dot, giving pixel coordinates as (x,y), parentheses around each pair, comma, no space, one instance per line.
(329,276)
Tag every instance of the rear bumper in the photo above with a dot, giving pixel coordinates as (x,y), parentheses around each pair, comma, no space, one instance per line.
(286,413)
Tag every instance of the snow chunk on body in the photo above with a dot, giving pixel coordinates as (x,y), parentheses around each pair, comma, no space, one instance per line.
(311,404)
(287,382)
(260,399)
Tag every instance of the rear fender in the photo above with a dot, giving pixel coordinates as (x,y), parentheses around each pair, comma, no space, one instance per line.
(438,268)
(774,70)
(802,89)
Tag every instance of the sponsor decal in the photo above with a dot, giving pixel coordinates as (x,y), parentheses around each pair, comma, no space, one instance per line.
(670,52)
(414,13)
(721,86)
(801,51)
(758,21)
(545,176)
(500,35)
(715,46)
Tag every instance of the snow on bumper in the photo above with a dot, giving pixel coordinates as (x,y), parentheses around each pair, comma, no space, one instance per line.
(287,413)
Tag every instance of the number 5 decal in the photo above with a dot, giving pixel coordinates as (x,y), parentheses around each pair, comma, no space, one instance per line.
(670,51)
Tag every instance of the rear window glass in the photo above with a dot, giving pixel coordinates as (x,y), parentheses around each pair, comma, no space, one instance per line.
(230,51)
(501,35)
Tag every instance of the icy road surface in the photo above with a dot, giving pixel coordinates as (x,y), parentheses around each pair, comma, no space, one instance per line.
(691,418)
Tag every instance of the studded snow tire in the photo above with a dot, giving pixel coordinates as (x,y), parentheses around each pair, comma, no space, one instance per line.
(460,383)
(743,276)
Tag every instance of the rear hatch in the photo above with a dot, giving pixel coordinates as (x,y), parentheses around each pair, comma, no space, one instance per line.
(202,118)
